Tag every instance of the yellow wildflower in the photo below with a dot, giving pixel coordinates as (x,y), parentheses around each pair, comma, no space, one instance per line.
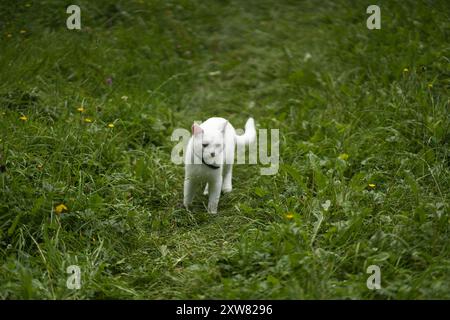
(60,208)
(289,215)
(343,156)
(23,31)
(405,70)
(81,109)
(430,85)
(372,185)
(23,118)
(88,120)
(110,125)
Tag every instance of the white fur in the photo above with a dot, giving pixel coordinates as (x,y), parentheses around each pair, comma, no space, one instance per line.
(210,156)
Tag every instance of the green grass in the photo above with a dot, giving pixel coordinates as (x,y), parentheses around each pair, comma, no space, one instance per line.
(125,227)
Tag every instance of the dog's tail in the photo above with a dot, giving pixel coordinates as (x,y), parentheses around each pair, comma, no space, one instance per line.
(249,135)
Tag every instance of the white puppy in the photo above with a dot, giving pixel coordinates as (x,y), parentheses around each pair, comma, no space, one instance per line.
(210,156)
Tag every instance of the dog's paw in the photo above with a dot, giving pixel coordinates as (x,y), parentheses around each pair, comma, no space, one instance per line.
(226,189)
(185,205)
(212,208)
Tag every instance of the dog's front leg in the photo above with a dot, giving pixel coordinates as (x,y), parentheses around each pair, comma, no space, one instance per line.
(214,194)
(189,191)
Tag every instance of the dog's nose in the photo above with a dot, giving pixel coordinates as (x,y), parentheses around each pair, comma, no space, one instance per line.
(213,154)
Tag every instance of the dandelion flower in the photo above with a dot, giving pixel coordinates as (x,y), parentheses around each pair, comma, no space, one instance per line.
(343,156)
(430,85)
(372,185)
(81,109)
(88,120)
(110,125)
(23,118)
(289,215)
(405,70)
(60,208)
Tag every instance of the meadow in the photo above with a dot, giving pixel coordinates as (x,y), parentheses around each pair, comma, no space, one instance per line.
(86,176)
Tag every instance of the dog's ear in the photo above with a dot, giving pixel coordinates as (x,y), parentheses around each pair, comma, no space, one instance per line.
(224,126)
(196,129)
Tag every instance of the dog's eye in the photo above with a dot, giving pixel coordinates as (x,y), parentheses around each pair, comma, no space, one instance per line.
(205,145)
